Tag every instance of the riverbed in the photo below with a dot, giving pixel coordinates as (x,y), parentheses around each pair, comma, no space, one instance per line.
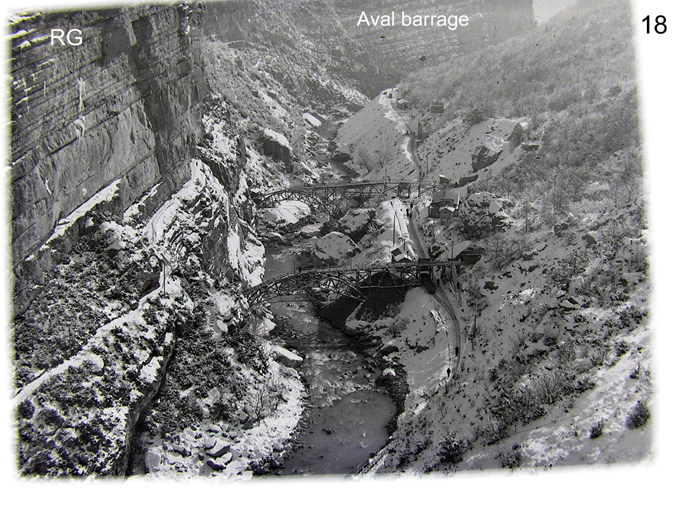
(347,416)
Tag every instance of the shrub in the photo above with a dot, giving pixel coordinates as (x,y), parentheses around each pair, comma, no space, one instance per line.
(451,450)
(510,458)
(474,116)
(620,348)
(638,416)
(585,383)
(397,327)
(596,430)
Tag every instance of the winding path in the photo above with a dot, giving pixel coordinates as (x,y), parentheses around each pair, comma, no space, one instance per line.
(441,294)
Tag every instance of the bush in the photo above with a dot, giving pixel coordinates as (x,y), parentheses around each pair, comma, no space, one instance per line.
(474,116)
(638,416)
(451,450)
(397,327)
(596,430)
(510,458)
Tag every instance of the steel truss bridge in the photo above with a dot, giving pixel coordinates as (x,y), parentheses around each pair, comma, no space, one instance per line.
(354,283)
(327,197)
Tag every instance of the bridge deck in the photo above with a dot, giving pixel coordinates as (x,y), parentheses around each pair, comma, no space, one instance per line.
(349,281)
(324,196)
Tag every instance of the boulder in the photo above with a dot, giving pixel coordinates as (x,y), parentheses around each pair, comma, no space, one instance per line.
(487,153)
(219,449)
(152,462)
(180,450)
(334,247)
(591,238)
(310,230)
(286,357)
(277,146)
(388,372)
(340,157)
(570,303)
(273,236)
(284,214)
(356,223)
(215,465)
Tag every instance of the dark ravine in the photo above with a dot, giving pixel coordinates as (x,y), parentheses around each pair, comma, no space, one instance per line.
(342,427)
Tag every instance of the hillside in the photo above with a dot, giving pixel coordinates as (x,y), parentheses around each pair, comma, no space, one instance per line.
(134,241)
(556,368)
(138,163)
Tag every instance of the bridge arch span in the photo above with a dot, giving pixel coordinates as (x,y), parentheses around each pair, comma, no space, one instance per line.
(310,198)
(293,284)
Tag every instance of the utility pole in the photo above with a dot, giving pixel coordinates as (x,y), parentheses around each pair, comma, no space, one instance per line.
(393,232)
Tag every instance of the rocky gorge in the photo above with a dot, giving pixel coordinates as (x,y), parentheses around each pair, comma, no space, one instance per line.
(138,162)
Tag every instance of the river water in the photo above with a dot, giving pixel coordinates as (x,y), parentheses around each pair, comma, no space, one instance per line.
(347,415)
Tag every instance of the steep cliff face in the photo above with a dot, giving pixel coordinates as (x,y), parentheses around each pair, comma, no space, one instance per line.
(117,229)
(120,106)
(133,242)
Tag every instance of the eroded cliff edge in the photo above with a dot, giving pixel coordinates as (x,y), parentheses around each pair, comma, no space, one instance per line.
(131,232)
(121,106)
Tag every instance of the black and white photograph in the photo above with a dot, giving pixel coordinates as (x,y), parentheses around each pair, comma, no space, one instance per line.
(291,240)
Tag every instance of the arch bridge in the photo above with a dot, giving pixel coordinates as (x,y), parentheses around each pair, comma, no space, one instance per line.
(352,282)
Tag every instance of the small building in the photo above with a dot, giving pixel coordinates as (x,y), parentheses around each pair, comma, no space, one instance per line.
(436,107)
(446,213)
(398,256)
(441,198)
(467,252)
(466,180)
(403,104)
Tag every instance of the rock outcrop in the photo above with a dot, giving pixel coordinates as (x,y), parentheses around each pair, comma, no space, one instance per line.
(487,153)
(333,248)
(276,145)
(121,107)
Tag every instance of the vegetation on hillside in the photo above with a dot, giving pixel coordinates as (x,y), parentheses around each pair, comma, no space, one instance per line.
(574,78)
(556,306)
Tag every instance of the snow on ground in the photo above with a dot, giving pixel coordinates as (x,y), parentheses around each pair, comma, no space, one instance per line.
(559,438)
(334,248)
(378,135)
(393,232)
(378,139)
(450,150)
(285,212)
(246,255)
(103,196)
(220,141)
(423,343)
(241,447)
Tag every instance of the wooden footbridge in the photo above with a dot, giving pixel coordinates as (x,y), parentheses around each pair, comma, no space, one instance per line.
(353,283)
